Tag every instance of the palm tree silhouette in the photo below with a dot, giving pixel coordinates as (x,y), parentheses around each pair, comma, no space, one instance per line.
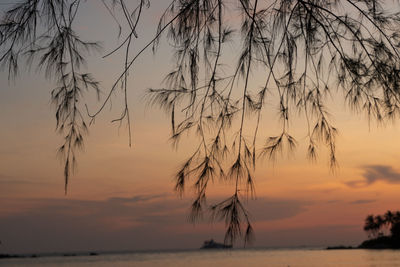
(369,225)
(373,224)
(389,217)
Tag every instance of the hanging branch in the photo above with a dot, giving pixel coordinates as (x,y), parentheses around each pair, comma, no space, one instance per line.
(306,50)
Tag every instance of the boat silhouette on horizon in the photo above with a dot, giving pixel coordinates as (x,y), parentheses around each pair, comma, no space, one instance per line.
(212,244)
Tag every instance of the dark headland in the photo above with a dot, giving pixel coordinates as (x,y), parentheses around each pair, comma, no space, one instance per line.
(383,232)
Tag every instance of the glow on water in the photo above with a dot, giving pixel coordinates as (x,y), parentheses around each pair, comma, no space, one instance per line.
(236,257)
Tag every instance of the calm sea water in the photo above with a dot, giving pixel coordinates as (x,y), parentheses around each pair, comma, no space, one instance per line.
(235,257)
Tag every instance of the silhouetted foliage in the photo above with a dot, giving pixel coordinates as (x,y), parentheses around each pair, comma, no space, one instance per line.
(375,227)
(374,224)
(306,49)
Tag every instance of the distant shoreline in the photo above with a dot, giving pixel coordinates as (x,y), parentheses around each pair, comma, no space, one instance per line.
(341,247)
(382,242)
(38,255)
(97,253)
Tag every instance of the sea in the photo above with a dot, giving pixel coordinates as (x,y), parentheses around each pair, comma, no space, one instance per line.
(221,258)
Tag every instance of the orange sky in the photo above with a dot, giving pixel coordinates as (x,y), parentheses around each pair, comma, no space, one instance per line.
(122,198)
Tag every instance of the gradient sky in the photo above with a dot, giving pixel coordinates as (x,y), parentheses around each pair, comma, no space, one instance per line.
(122,198)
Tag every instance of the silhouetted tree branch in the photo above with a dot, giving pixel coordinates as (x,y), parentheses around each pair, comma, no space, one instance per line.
(307,50)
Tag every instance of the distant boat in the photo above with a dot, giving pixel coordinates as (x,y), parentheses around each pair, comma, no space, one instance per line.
(212,244)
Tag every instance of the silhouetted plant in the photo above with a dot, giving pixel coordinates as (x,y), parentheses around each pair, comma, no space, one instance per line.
(374,224)
(307,50)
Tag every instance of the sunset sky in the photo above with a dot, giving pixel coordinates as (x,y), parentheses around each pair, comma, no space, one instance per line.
(122,198)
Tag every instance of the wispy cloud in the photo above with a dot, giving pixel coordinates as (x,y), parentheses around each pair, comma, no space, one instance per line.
(139,198)
(151,209)
(11,180)
(362,201)
(267,209)
(375,173)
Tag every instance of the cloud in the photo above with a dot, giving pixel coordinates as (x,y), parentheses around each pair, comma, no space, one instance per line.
(137,222)
(139,198)
(64,224)
(333,201)
(376,173)
(362,201)
(267,209)
(151,209)
(10,180)
(6,179)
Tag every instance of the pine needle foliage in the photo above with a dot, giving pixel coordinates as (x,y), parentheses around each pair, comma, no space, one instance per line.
(306,50)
